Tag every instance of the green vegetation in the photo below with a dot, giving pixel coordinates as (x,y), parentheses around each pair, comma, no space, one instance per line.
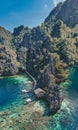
(45,51)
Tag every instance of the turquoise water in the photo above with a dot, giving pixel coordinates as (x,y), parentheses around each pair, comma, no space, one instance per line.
(11,90)
(71,97)
(16,114)
(73,94)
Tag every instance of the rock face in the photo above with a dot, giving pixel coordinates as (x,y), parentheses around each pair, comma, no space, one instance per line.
(54,99)
(8,58)
(8,62)
(67,12)
(5,37)
(45,65)
(45,51)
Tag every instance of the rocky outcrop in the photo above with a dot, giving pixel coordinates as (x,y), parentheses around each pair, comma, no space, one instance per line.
(8,61)
(53,99)
(45,67)
(66,11)
(5,36)
(8,58)
(69,13)
(46,51)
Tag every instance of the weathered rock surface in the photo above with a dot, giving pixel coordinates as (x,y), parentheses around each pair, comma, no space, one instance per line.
(66,11)
(8,61)
(46,51)
(53,99)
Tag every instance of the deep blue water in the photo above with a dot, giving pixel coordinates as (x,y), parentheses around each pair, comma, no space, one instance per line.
(10,89)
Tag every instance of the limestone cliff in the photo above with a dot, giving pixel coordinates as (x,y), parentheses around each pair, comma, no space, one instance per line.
(45,51)
(66,11)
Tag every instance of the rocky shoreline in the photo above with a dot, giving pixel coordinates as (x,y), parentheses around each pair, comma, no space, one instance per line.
(53,96)
(54,99)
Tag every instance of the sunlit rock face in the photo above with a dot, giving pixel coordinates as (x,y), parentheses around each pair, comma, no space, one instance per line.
(66,11)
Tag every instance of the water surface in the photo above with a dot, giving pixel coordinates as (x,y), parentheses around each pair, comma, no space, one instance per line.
(11,89)
(16,114)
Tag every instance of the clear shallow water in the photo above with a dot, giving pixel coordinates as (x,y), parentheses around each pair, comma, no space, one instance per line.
(15,114)
(71,98)
(73,95)
(10,89)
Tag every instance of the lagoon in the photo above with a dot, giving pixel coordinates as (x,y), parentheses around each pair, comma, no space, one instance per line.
(16,114)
